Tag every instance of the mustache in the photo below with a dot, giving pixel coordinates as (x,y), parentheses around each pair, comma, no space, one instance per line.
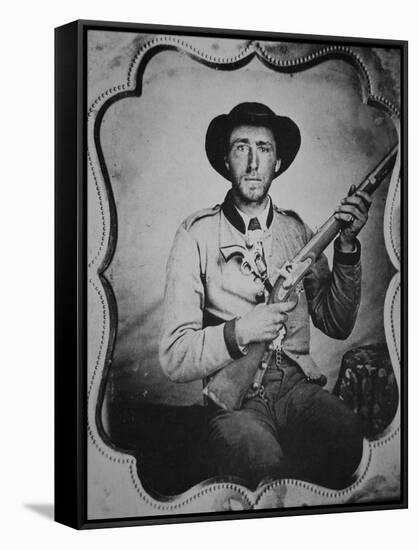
(252,178)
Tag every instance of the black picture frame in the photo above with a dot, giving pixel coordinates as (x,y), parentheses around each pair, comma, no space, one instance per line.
(76,428)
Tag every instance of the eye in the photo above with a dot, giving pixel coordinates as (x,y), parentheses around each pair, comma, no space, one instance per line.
(264,148)
(241,147)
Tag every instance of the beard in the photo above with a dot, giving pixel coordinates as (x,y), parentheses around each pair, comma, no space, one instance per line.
(251,191)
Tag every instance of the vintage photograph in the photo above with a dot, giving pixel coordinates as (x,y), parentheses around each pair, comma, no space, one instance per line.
(244,232)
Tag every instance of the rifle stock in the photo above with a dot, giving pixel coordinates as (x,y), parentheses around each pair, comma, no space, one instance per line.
(228,387)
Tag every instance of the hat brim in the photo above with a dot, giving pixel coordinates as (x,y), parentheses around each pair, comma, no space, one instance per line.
(285,130)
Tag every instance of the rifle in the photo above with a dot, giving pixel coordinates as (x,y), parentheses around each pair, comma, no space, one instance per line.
(229,386)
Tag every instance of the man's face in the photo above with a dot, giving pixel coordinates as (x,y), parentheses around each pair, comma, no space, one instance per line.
(251,161)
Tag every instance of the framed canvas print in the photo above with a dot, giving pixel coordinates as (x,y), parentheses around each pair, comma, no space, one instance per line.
(230,274)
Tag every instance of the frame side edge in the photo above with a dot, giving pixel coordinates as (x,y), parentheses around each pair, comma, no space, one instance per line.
(404,267)
(67,490)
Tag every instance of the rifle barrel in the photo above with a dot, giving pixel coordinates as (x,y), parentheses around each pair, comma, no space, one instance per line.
(329,230)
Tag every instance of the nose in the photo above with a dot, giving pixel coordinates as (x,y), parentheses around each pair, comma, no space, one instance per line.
(252,159)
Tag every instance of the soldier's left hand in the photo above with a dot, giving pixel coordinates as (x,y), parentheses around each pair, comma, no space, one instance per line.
(353,211)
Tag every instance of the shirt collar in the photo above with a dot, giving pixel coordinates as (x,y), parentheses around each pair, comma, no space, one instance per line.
(240,220)
(262,218)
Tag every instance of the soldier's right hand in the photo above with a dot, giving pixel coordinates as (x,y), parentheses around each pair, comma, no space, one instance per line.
(262,324)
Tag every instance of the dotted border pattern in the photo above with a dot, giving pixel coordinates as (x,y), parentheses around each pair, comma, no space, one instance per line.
(187,498)
(103,96)
(383,440)
(122,459)
(316,489)
(394,253)
(391,232)
(393,291)
(101,207)
(188,49)
(336,495)
(392,322)
(252,47)
(102,337)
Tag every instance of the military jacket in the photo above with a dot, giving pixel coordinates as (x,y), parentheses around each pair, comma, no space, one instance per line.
(205,293)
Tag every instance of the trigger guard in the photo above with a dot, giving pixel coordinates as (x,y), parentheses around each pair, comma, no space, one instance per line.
(293,297)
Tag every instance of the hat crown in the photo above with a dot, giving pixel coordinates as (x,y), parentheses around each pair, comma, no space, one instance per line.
(250,111)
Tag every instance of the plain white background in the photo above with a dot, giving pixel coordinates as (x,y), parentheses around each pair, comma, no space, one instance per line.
(26,395)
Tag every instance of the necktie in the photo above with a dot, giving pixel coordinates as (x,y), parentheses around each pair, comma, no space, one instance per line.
(255,245)
(254,233)
(254,224)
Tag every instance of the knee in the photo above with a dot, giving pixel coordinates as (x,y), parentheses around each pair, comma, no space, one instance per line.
(241,446)
(241,433)
(349,436)
(337,441)
(346,447)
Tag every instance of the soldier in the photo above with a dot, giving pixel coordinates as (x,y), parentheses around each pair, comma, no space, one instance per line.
(214,310)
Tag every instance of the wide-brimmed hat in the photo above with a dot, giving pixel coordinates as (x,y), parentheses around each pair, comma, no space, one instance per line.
(286,134)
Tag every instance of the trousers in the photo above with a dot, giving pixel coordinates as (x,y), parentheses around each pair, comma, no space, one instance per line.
(295,430)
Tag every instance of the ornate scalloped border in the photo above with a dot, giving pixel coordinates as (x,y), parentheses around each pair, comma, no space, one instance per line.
(108,219)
